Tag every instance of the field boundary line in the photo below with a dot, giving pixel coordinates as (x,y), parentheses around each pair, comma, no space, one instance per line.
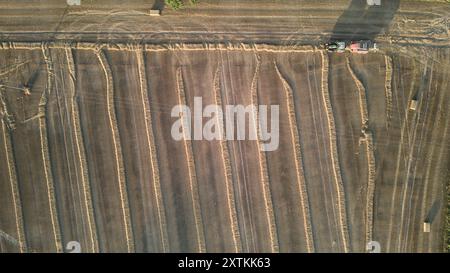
(152,149)
(191,169)
(227,169)
(295,141)
(117,149)
(80,153)
(334,158)
(263,163)
(10,161)
(44,149)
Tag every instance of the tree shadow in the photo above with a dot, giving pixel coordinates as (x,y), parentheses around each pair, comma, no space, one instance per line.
(433,211)
(363,22)
(159,5)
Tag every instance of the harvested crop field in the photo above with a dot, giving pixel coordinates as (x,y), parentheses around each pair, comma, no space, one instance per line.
(88,155)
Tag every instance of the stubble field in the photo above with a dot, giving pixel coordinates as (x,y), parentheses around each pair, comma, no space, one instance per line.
(89,155)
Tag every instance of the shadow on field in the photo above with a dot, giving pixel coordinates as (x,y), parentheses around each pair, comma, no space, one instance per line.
(433,211)
(361,21)
(159,5)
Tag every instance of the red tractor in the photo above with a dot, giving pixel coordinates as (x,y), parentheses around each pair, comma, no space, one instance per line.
(363,46)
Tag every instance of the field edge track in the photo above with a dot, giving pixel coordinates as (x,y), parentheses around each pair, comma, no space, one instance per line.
(80,153)
(44,149)
(21,240)
(268,203)
(191,169)
(295,140)
(117,150)
(334,154)
(227,169)
(368,140)
(152,149)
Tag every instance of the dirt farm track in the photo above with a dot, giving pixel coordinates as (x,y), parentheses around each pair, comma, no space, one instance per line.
(87,155)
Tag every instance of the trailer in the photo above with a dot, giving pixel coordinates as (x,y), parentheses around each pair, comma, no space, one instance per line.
(363,46)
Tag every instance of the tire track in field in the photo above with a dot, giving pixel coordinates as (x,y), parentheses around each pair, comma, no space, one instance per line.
(426,101)
(227,169)
(60,111)
(439,176)
(334,154)
(263,163)
(80,152)
(152,150)
(429,163)
(295,141)
(242,193)
(10,161)
(367,138)
(117,150)
(8,239)
(409,163)
(410,145)
(12,68)
(191,169)
(44,149)
(315,120)
(404,130)
(441,121)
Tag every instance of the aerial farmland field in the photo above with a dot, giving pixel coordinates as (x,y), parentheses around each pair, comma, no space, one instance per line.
(87,147)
